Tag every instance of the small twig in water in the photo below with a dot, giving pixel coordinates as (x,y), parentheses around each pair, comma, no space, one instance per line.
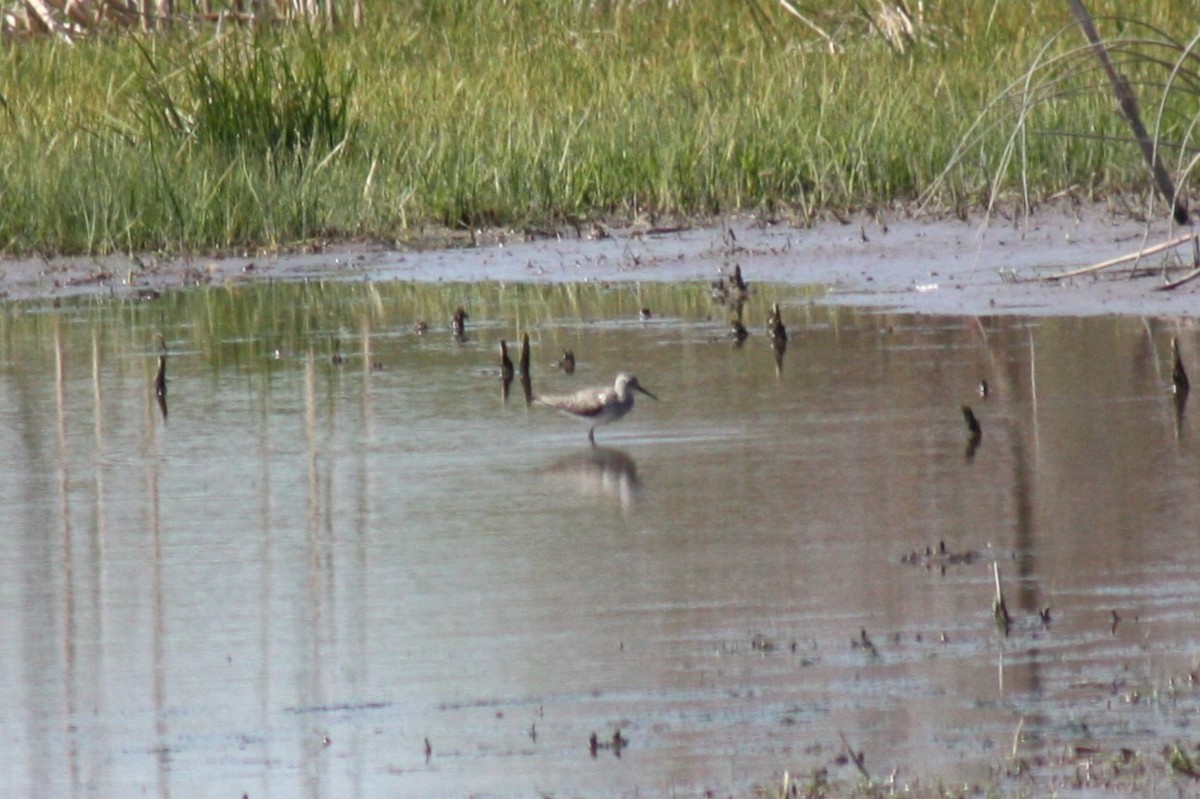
(867,644)
(1180,763)
(1174,284)
(999,608)
(857,758)
(1133,256)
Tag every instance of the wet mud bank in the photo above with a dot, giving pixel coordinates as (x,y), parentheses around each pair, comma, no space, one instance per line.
(973,267)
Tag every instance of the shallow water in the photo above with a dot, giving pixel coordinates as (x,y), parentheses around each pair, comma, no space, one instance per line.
(308,570)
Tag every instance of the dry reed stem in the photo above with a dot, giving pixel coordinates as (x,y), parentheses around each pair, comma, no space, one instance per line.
(1157,248)
(1129,109)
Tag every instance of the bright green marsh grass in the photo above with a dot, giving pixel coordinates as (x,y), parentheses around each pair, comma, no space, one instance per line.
(535,113)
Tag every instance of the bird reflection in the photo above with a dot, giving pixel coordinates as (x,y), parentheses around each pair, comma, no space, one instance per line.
(600,472)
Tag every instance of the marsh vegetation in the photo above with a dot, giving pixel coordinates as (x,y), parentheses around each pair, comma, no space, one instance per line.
(543,115)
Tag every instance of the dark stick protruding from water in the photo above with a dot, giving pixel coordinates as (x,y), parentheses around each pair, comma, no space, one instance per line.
(736,282)
(458,323)
(775,328)
(1179,378)
(734,291)
(738,331)
(567,362)
(973,426)
(974,431)
(526,378)
(160,378)
(506,364)
(778,335)
(506,370)
(525,354)
(736,328)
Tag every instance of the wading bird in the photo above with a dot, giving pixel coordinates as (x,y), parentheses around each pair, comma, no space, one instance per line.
(600,405)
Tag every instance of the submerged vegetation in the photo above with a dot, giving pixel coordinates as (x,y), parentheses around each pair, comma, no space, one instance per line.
(462,114)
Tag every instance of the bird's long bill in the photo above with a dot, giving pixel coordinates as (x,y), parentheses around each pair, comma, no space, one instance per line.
(647,393)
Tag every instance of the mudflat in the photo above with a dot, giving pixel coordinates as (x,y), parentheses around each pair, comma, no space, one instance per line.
(979,266)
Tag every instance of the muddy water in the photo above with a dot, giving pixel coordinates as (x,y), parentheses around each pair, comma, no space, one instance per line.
(342,545)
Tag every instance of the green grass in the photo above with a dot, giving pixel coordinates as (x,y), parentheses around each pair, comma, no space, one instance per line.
(534,113)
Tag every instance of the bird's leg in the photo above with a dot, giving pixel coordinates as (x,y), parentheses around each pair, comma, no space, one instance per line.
(592,436)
